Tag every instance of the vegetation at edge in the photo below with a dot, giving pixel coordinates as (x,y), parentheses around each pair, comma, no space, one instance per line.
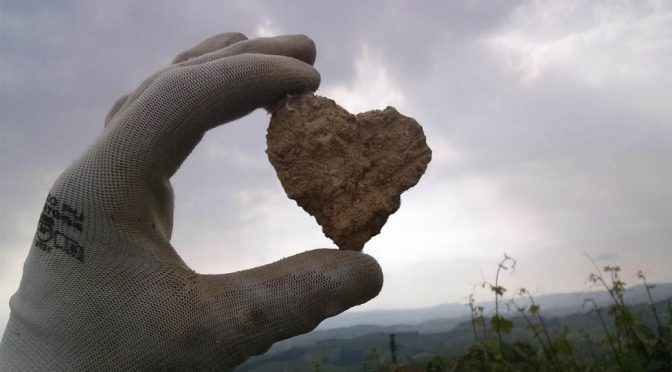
(515,336)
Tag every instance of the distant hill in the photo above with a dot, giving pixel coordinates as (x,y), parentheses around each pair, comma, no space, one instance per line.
(429,326)
(561,304)
(395,317)
(556,304)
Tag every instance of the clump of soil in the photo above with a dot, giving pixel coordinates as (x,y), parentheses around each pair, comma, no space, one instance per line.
(347,171)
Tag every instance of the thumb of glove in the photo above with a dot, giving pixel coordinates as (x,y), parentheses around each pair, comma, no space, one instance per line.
(244,313)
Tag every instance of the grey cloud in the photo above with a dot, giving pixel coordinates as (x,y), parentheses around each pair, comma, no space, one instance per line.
(406,35)
(606,256)
(591,160)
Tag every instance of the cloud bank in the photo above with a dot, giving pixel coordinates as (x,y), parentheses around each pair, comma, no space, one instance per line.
(549,123)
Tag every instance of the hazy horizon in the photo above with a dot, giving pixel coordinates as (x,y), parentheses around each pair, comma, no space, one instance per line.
(550,126)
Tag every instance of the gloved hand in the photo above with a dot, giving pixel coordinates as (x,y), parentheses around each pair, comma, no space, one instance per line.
(102,287)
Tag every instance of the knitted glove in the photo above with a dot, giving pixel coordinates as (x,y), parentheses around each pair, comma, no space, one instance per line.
(102,287)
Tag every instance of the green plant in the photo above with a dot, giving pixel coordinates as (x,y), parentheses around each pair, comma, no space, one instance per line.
(485,354)
(372,360)
(636,346)
(440,363)
(529,314)
(632,343)
(498,323)
(477,318)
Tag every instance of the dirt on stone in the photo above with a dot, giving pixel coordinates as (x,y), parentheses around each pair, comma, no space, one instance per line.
(348,171)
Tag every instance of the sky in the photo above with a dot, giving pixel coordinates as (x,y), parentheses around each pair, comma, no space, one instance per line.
(550,125)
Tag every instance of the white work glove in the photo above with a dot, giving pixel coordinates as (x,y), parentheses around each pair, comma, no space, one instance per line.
(102,287)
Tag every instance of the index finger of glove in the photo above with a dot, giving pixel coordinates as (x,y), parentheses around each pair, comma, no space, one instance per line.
(166,122)
(299,47)
(209,45)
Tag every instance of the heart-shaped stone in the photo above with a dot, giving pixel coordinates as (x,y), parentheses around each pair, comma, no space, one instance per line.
(348,171)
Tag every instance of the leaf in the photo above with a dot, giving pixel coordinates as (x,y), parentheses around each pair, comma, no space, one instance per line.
(562,345)
(499,290)
(624,319)
(499,323)
(534,309)
(644,334)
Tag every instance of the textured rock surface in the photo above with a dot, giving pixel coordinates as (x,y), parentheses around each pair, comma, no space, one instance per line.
(347,171)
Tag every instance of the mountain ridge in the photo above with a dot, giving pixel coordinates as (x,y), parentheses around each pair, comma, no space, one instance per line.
(555,304)
(444,317)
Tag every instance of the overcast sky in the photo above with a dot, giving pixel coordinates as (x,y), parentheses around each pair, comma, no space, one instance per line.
(550,123)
